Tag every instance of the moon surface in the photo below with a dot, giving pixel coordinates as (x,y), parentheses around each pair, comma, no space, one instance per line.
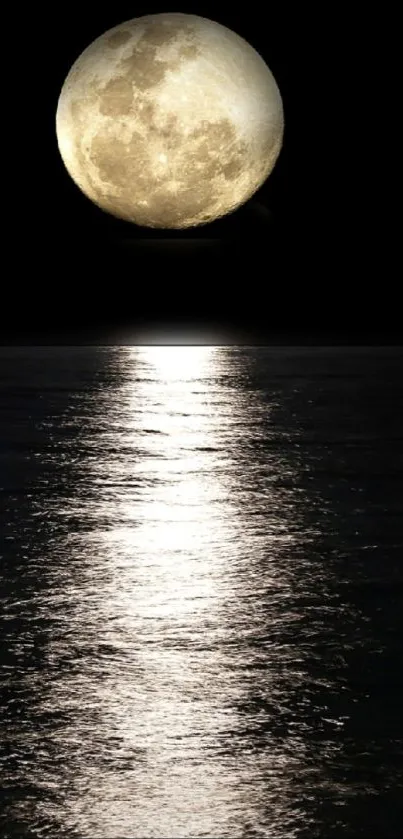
(169,121)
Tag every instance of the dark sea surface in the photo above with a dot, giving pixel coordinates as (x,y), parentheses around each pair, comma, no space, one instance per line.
(201,592)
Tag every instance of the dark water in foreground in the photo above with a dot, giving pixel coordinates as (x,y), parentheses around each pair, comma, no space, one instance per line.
(201,590)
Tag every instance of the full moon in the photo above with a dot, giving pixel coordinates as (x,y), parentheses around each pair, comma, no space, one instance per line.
(169,121)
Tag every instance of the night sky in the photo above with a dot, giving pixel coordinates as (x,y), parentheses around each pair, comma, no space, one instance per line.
(291,266)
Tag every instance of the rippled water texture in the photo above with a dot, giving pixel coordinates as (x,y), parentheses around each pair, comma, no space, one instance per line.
(201,589)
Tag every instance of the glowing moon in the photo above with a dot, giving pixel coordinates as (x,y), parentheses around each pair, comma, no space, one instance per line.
(170,121)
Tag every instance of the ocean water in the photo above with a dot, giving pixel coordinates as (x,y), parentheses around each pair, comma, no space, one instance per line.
(201,567)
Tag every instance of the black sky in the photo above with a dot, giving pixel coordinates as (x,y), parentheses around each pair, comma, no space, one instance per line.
(293,265)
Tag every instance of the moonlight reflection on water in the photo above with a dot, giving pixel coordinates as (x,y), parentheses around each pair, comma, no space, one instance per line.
(180,605)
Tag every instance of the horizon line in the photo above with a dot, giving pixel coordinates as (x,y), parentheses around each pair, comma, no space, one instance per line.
(207,344)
